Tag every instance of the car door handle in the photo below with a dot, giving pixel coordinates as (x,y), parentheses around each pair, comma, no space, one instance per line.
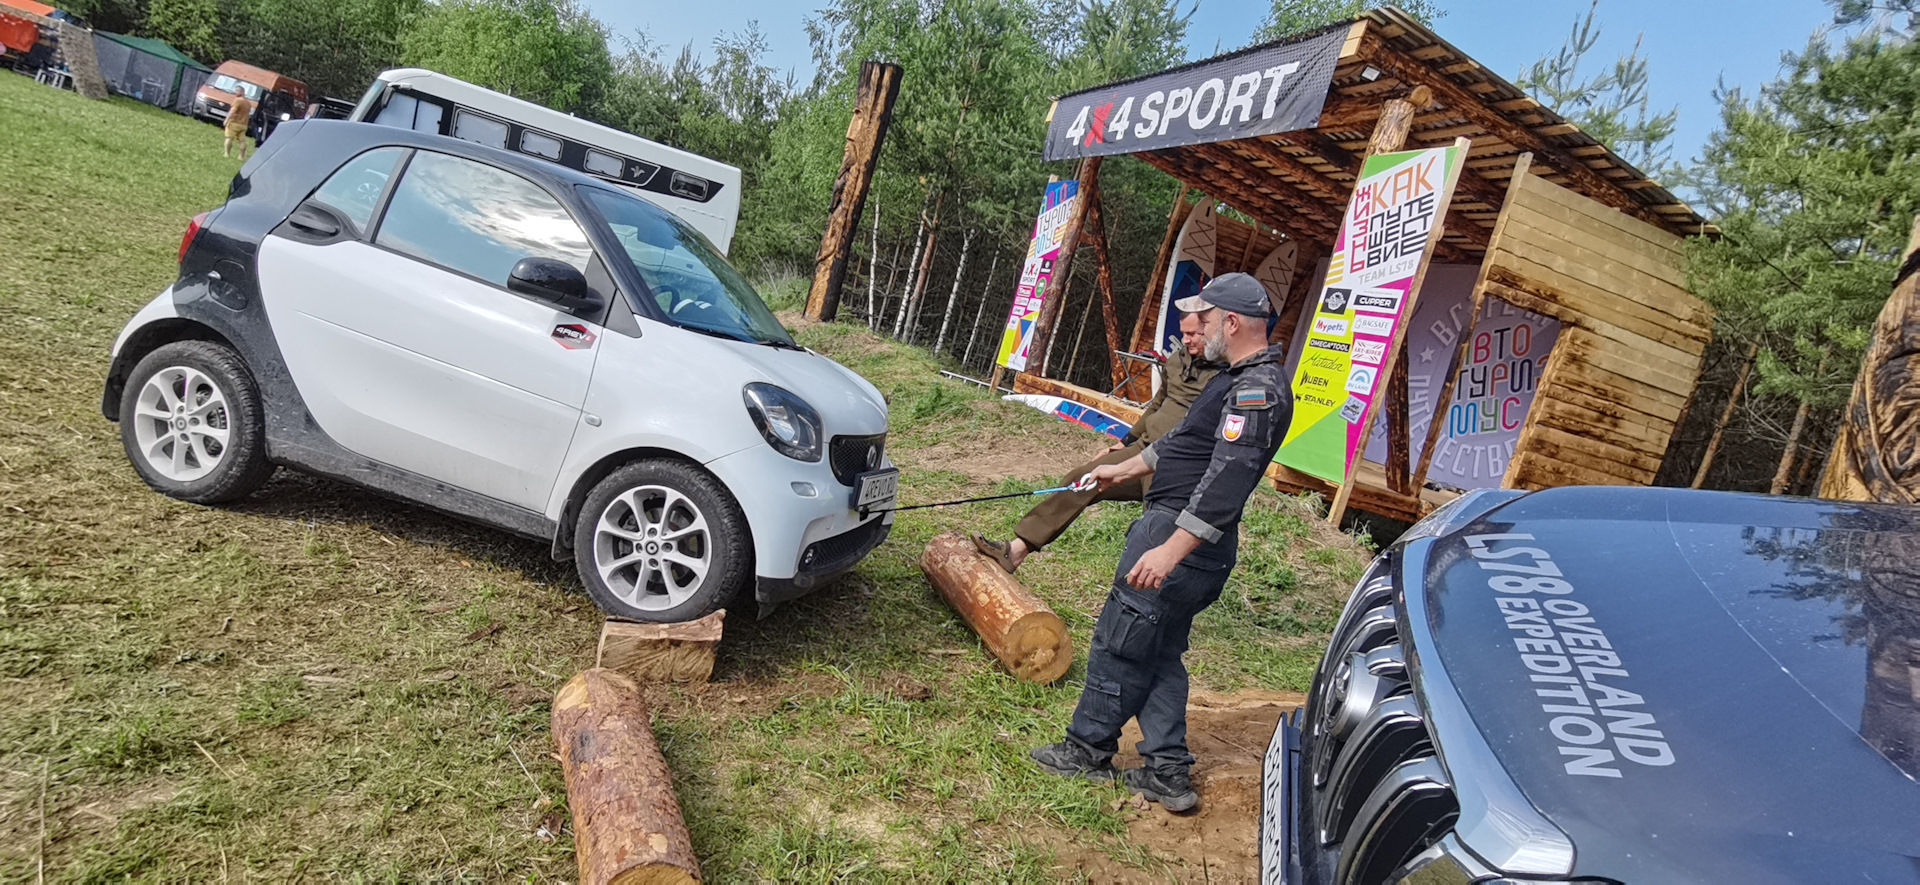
(314,220)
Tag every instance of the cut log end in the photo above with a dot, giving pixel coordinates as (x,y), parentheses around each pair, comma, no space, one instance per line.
(1026,636)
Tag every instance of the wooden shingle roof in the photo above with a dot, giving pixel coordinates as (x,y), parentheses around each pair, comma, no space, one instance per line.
(1299,182)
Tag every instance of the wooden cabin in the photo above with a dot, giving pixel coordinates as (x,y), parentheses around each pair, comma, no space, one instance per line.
(1547,227)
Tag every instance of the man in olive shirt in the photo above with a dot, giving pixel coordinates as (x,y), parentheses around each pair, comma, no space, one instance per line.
(1186,372)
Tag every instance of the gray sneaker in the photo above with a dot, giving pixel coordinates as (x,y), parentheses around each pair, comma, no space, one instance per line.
(1172,789)
(1067,759)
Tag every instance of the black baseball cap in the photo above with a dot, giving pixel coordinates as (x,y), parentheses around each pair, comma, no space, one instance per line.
(1235,292)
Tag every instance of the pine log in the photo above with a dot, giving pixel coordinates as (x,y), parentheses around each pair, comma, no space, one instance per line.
(1021,631)
(627,828)
(662,652)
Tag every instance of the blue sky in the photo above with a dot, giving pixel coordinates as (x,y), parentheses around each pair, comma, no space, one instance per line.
(1691,44)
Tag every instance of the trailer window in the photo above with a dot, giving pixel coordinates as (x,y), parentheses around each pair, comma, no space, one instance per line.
(479,130)
(606,164)
(540,144)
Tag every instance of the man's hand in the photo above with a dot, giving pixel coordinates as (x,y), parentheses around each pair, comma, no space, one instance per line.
(1154,566)
(1106,475)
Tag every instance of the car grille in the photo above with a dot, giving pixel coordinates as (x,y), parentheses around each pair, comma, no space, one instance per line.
(1375,794)
(844,549)
(854,455)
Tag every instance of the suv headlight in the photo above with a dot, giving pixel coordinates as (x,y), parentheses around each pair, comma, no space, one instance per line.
(790,425)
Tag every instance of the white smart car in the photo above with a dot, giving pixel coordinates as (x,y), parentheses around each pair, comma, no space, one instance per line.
(510,341)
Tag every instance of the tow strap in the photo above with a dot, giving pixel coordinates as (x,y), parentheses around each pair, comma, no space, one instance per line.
(1083,484)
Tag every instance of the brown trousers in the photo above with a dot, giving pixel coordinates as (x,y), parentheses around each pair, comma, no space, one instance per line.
(1051,516)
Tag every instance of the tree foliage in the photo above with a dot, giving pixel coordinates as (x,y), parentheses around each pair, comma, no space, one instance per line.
(1294,16)
(545,51)
(1814,183)
(1611,105)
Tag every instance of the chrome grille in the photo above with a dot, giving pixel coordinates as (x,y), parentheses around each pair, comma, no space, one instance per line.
(1376,793)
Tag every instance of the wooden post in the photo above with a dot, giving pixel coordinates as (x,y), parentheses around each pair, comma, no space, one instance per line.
(1141,387)
(1339,506)
(872,114)
(1726,415)
(1301,293)
(662,652)
(626,821)
(1390,135)
(1069,241)
(1103,276)
(1017,627)
(1479,298)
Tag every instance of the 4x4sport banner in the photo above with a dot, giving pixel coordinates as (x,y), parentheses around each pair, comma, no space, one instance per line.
(1036,276)
(1257,91)
(1385,237)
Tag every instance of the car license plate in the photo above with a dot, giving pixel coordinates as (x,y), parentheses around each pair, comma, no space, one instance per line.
(877,490)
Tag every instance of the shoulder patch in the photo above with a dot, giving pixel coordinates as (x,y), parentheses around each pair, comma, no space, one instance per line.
(1251,398)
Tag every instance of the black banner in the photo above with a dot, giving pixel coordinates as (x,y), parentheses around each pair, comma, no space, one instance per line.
(1258,92)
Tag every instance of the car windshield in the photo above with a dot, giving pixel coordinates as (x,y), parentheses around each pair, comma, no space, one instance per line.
(225,83)
(685,274)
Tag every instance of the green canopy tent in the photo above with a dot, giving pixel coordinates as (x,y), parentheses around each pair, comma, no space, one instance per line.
(149,70)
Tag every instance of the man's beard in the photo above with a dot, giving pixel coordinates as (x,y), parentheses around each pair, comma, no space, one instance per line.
(1217,344)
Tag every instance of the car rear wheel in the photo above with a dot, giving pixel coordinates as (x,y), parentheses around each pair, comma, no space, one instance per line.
(191,423)
(662,541)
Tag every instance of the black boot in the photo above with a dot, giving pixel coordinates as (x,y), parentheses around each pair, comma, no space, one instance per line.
(1069,759)
(1172,789)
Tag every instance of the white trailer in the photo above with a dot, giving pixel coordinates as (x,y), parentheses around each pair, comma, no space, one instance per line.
(702,192)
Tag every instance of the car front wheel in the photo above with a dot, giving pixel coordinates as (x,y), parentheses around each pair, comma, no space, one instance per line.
(662,541)
(191,423)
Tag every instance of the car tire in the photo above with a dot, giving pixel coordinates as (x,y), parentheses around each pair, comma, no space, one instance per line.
(192,424)
(662,541)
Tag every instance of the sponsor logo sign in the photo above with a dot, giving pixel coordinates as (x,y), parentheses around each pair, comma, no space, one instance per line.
(1036,275)
(1269,89)
(1383,241)
(1329,326)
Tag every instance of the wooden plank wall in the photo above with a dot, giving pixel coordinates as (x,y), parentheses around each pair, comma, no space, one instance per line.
(1630,342)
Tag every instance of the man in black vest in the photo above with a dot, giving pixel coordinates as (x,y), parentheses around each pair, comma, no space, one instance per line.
(1179,552)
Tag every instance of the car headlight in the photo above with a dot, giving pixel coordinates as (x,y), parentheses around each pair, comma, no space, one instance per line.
(790,425)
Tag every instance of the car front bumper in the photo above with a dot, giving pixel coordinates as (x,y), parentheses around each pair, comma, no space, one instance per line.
(805,530)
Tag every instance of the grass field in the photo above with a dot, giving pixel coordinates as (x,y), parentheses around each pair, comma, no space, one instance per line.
(321,683)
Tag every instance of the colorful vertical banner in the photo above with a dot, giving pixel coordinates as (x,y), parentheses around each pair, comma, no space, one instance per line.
(1384,239)
(1036,276)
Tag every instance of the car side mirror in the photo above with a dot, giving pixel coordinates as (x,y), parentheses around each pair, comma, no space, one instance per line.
(554,281)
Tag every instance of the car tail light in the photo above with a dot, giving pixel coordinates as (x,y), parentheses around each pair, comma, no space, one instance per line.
(193,230)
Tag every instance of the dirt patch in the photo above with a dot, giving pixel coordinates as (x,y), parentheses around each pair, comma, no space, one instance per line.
(1228,734)
(1000,457)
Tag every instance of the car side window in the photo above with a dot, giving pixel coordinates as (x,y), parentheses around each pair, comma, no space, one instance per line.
(476,219)
(354,189)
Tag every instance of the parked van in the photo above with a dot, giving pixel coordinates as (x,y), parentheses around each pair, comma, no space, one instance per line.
(282,96)
(702,192)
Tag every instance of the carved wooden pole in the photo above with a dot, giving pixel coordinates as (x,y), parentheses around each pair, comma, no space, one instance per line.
(872,114)
(1069,241)
(1873,456)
